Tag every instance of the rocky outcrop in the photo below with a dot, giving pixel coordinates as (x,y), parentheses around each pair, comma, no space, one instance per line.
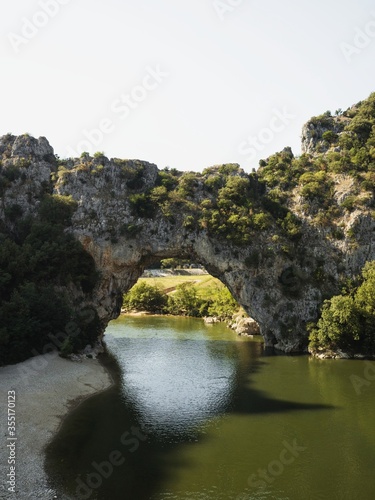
(26,164)
(281,287)
(211,320)
(319,132)
(244,326)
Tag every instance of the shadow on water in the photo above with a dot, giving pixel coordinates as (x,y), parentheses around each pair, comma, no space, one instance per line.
(104,451)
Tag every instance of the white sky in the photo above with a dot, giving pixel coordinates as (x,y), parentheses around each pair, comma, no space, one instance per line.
(229,75)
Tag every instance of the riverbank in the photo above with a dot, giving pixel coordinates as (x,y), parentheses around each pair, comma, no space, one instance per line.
(339,354)
(46,388)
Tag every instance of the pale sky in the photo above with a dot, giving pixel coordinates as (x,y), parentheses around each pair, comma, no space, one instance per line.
(181,83)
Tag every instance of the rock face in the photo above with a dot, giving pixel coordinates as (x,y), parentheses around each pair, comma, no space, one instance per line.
(245,326)
(28,163)
(211,320)
(282,290)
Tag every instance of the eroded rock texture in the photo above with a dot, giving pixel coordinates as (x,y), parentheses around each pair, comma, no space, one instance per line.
(126,225)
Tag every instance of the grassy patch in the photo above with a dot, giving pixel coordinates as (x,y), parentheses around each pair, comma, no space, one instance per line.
(204,283)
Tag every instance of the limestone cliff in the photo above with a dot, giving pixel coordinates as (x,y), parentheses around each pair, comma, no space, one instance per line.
(267,239)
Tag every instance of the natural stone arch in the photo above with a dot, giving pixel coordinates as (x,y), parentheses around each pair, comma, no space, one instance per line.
(280,291)
(275,305)
(281,283)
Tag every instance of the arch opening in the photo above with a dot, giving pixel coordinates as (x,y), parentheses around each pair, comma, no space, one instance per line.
(183,287)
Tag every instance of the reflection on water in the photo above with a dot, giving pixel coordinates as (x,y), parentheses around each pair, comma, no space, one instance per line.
(199,413)
(174,389)
(174,383)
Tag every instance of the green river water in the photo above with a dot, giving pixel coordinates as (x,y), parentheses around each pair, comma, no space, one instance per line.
(199,413)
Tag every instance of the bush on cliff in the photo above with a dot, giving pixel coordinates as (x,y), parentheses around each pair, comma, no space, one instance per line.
(347,321)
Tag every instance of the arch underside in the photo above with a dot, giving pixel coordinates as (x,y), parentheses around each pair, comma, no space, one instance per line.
(281,309)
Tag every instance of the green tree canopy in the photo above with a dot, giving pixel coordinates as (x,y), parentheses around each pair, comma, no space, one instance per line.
(348,321)
(144,297)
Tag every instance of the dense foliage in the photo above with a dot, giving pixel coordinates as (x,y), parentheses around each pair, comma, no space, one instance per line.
(344,146)
(37,259)
(184,301)
(347,321)
(232,205)
(144,297)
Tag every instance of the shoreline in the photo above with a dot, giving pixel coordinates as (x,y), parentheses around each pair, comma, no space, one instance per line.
(47,389)
(327,354)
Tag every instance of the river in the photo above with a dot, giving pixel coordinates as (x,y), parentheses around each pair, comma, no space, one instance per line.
(199,413)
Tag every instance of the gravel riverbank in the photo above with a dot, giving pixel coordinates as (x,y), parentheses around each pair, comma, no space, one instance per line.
(46,388)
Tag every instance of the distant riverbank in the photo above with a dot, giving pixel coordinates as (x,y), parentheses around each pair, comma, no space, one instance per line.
(46,388)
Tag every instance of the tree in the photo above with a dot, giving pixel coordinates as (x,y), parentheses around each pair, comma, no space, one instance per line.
(365,296)
(339,324)
(37,258)
(144,297)
(223,304)
(171,263)
(185,300)
(348,320)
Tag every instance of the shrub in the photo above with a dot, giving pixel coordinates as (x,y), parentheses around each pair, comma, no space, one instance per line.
(213,182)
(235,191)
(142,205)
(348,320)
(223,304)
(329,136)
(292,227)
(159,194)
(274,207)
(262,221)
(167,179)
(187,183)
(189,222)
(144,297)
(185,301)
(339,325)
(349,203)
(57,209)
